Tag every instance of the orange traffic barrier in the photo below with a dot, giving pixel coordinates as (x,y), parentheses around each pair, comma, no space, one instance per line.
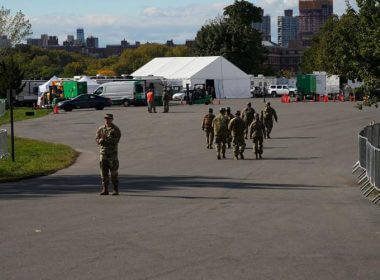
(55,110)
(341,98)
(326,98)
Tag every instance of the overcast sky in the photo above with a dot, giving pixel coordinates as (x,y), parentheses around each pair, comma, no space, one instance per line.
(142,20)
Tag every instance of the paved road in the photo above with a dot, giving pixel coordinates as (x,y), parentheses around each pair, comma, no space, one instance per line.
(182,214)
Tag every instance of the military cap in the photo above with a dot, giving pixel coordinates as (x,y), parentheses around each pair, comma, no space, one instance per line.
(228,109)
(222,109)
(268,103)
(249,104)
(108,116)
(210,110)
(237,113)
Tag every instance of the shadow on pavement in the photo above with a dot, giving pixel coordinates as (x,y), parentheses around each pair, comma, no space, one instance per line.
(61,185)
(289,138)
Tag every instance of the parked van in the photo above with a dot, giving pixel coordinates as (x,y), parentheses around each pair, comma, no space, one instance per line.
(126,93)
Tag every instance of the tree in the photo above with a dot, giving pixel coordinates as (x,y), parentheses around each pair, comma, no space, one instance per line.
(73,69)
(233,36)
(11,76)
(15,27)
(349,45)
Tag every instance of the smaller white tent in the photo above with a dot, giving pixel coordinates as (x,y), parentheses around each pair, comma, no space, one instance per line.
(91,84)
(227,79)
(45,87)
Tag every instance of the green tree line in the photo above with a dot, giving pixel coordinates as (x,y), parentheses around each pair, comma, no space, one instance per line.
(349,45)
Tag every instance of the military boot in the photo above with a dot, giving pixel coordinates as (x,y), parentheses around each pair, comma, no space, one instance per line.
(236,156)
(224,156)
(257,156)
(104,190)
(115,190)
(260,156)
(219,157)
(241,156)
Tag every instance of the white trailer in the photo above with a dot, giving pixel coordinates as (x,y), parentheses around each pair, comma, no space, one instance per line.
(333,84)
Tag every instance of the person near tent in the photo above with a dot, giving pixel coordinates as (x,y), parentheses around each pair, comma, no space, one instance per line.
(220,127)
(150,100)
(236,127)
(257,132)
(267,115)
(229,118)
(165,100)
(248,116)
(207,127)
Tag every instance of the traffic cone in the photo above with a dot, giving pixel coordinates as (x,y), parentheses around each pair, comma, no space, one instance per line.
(326,98)
(55,110)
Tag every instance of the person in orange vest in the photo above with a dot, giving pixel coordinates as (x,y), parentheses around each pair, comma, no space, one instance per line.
(150,100)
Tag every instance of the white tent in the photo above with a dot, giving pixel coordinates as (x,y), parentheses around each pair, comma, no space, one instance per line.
(229,81)
(45,87)
(91,84)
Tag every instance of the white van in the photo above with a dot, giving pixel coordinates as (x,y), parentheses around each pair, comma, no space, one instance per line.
(279,90)
(126,93)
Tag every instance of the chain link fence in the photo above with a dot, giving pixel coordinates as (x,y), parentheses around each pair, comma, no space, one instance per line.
(369,160)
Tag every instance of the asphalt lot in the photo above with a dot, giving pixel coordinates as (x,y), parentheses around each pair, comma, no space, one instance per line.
(182,214)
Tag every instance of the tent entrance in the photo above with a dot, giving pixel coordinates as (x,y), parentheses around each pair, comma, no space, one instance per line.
(210,86)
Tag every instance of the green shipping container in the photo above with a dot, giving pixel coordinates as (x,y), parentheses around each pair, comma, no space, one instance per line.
(72,89)
(306,84)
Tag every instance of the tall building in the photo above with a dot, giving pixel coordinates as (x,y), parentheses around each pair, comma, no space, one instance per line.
(53,41)
(92,42)
(44,40)
(287,28)
(313,15)
(264,27)
(80,36)
(34,42)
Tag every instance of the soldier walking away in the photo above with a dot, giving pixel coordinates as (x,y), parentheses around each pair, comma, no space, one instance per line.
(256,132)
(220,126)
(207,127)
(229,118)
(248,116)
(150,100)
(165,100)
(237,127)
(267,115)
(108,137)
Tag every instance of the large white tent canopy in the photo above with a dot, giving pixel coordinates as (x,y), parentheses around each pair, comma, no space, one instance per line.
(229,80)
(45,87)
(91,84)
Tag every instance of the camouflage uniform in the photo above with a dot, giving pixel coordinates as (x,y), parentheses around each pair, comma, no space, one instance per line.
(165,101)
(220,127)
(248,116)
(109,161)
(229,117)
(207,127)
(237,128)
(267,116)
(256,132)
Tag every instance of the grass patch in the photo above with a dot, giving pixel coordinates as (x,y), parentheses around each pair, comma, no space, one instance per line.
(19,114)
(35,158)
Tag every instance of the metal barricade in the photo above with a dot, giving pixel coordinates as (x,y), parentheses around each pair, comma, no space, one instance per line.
(3,143)
(369,160)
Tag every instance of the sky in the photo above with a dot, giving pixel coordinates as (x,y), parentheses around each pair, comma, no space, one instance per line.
(142,20)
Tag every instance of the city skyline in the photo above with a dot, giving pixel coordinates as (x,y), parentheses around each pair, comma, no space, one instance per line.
(145,21)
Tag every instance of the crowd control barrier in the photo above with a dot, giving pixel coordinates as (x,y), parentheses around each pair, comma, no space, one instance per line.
(368,165)
(3,143)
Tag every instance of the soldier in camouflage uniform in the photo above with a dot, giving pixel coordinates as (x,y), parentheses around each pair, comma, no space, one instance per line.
(207,127)
(267,115)
(107,137)
(220,126)
(248,116)
(165,100)
(229,118)
(237,128)
(256,132)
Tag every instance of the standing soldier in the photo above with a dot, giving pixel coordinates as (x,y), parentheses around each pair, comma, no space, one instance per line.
(107,137)
(229,118)
(150,100)
(256,132)
(248,116)
(165,100)
(220,126)
(207,127)
(267,115)
(237,127)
